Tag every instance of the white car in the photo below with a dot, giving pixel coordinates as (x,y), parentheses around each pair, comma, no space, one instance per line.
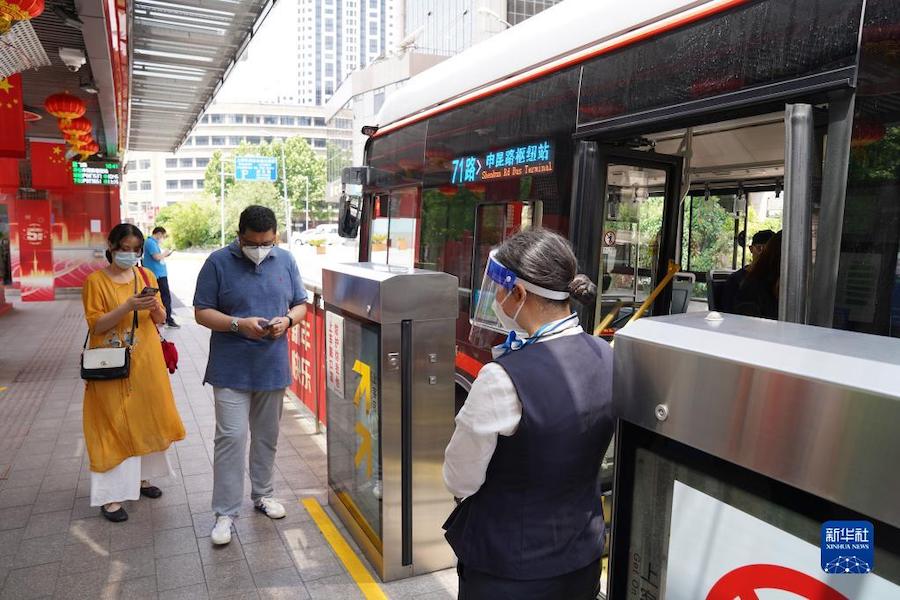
(327,232)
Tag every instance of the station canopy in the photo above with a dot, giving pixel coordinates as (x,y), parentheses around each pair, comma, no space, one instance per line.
(182,51)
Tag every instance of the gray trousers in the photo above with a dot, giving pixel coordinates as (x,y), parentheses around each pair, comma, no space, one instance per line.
(236,412)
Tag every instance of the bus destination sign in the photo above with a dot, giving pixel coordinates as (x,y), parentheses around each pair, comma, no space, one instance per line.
(527,159)
(95,173)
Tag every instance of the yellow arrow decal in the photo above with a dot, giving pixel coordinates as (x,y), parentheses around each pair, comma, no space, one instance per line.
(364,452)
(364,388)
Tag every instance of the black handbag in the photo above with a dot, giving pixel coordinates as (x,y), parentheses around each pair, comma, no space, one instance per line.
(103,364)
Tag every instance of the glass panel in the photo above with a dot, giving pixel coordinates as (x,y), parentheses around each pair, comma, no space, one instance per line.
(632,227)
(867,297)
(395,228)
(354,424)
(760,43)
(494,223)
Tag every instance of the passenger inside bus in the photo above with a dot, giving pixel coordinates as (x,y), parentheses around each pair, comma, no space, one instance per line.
(758,294)
(734,281)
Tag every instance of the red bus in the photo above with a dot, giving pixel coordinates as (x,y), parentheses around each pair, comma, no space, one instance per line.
(667,131)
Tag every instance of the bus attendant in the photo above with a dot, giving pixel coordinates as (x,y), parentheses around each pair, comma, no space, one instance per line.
(525,456)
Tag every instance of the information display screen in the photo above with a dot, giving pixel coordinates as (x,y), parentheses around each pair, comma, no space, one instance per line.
(354,419)
(504,163)
(95,173)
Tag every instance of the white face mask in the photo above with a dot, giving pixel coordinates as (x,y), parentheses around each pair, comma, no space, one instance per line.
(126,260)
(256,253)
(509,323)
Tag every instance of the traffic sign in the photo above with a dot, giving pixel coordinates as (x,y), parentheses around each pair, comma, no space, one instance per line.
(255,168)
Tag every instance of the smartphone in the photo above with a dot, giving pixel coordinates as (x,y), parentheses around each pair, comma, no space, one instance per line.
(149,291)
(266,325)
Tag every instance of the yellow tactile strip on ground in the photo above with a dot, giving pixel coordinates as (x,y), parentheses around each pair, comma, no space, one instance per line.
(367,585)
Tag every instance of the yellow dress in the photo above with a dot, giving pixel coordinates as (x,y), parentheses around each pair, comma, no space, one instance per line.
(134,416)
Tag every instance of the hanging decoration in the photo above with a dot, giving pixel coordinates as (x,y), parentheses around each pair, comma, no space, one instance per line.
(64,106)
(18,10)
(79,126)
(88,150)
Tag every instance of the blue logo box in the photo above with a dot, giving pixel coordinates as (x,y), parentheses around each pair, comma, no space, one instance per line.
(848,547)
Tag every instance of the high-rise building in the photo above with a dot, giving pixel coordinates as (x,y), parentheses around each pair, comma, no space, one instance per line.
(337,37)
(447,27)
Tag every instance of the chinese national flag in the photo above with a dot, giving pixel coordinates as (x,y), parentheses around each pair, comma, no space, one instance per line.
(9,173)
(50,170)
(12,118)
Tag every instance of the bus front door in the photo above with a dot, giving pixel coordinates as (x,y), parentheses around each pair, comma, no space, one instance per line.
(625,225)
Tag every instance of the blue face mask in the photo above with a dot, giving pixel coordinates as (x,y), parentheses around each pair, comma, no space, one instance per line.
(126,260)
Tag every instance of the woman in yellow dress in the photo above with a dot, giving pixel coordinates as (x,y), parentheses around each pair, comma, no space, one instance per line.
(128,423)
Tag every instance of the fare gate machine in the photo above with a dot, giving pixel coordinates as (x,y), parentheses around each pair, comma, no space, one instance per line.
(755,459)
(389,366)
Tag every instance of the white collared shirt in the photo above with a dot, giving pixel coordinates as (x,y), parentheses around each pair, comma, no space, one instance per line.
(492,408)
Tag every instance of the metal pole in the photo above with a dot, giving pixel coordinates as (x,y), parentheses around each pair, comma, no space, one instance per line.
(831,213)
(287,204)
(222,199)
(799,154)
(307,202)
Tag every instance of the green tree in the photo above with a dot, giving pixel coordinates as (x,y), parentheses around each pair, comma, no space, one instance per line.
(191,224)
(303,165)
(247,193)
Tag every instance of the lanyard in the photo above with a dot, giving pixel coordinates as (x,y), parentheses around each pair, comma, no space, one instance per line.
(513,343)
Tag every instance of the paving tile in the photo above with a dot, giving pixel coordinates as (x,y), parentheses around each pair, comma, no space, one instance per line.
(305,534)
(95,529)
(228,578)
(200,466)
(256,528)
(40,551)
(54,501)
(336,586)
(85,556)
(47,523)
(172,495)
(176,572)
(23,496)
(33,582)
(31,461)
(14,518)
(57,483)
(437,595)
(132,563)
(64,466)
(200,502)
(198,483)
(281,584)
(191,592)
(203,524)
(174,542)
(131,534)
(80,586)
(24,478)
(82,509)
(171,517)
(10,540)
(212,554)
(132,589)
(316,563)
(413,587)
(267,556)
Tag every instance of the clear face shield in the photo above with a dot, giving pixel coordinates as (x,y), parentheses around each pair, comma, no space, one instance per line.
(485,322)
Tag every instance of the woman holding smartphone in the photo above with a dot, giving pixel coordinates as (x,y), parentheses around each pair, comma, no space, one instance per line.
(128,423)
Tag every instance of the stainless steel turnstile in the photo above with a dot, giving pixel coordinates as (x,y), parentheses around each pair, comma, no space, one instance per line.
(740,443)
(389,352)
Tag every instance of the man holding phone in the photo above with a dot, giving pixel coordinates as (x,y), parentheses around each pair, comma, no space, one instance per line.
(154,259)
(249,294)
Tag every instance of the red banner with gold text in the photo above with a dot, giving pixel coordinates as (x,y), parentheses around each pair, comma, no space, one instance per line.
(35,250)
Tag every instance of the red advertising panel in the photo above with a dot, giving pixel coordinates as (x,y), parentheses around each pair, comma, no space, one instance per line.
(307,345)
(35,250)
(12,118)
(50,170)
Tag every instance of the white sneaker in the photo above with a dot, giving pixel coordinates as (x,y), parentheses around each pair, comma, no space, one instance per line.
(270,508)
(221,533)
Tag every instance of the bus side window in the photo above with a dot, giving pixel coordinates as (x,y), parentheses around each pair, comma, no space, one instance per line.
(494,223)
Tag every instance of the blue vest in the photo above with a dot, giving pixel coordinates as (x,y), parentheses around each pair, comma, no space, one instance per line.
(538,514)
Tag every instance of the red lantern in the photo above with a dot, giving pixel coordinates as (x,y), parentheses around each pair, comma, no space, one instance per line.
(448,190)
(64,106)
(866,131)
(80,126)
(477,188)
(408,164)
(79,141)
(18,10)
(88,150)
